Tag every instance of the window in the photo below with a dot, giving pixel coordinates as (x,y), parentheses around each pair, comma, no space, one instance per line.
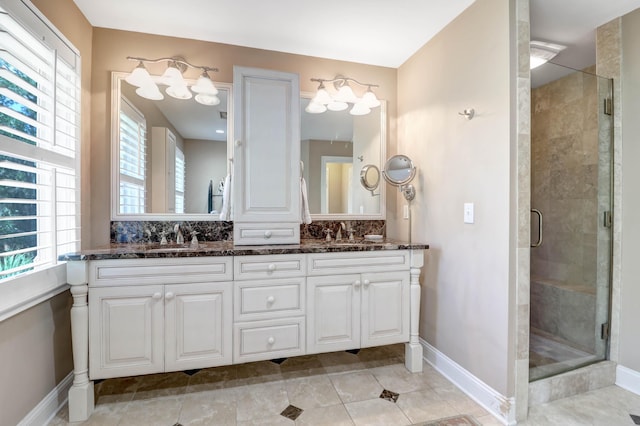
(133,137)
(180,171)
(39,134)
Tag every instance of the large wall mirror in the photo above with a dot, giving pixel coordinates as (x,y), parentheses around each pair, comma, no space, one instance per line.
(169,156)
(335,146)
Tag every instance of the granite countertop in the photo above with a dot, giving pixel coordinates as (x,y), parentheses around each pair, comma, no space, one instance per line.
(226,248)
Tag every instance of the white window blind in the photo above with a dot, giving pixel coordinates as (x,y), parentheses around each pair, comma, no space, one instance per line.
(180,177)
(39,141)
(133,159)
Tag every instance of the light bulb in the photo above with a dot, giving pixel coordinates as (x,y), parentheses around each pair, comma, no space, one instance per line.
(370,99)
(205,85)
(139,76)
(360,108)
(179,92)
(208,100)
(337,106)
(150,91)
(315,108)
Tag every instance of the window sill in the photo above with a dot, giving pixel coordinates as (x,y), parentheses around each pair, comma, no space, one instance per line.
(30,289)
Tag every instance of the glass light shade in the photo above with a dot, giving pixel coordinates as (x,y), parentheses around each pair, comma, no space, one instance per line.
(322,96)
(139,77)
(205,85)
(370,99)
(206,99)
(337,106)
(360,108)
(172,76)
(179,92)
(345,94)
(150,91)
(315,108)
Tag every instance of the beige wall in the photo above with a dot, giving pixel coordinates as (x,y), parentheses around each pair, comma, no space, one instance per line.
(629,355)
(465,308)
(35,349)
(111,48)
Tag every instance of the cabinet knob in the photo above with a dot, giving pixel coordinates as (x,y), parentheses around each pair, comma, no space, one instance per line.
(169,296)
(157,296)
(356,283)
(366,283)
(238,143)
(271,340)
(271,267)
(271,299)
(267,234)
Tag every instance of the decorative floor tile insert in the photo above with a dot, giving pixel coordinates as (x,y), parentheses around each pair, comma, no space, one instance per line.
(191,372)
(389,395)
(353,351)
(636,419)
(278,360)
(292,412)
(463,420)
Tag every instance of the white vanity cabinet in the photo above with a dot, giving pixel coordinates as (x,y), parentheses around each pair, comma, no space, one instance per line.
(266,161)
(269,307)
(158,315)
(349,308)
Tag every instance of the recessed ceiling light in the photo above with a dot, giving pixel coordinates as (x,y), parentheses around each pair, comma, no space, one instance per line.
(542,52)
(220,131)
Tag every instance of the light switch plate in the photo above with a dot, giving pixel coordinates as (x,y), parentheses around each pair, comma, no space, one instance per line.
(468,212)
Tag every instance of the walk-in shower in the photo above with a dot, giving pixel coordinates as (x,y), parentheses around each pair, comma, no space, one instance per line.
(571,139)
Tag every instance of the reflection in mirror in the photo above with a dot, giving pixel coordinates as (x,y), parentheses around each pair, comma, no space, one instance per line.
(399,170)
(334,146)
(169,156)
(370,178)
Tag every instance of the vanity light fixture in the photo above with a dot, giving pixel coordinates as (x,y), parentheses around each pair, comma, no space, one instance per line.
(147,87)
(342,96)
(542,52)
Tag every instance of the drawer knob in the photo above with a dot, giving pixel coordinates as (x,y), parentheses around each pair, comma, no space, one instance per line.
(157,296)
(271,340)
(271,299)
(169,296)
(366,283)
(267,234)
(356,283)
(271,267)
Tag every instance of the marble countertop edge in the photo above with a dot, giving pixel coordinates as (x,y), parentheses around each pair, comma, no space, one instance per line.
(226,248)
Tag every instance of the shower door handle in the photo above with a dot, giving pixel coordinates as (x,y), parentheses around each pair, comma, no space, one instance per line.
(539,213)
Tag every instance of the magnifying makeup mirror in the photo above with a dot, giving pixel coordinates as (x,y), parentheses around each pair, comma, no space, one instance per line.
(399,171)
(370,178)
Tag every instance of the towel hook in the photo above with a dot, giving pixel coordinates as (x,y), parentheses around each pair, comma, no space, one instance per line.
(468,113)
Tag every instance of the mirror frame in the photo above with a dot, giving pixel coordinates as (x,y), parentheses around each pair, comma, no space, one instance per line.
(116,83)
(383,154)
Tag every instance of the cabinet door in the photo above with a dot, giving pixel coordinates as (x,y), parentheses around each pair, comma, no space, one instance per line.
(198,325)
(385,308)
(267,149)
(333,306)
(125,331)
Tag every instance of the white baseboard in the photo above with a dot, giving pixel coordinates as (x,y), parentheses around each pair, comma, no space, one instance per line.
(628,379)
(497,404)
(50,404)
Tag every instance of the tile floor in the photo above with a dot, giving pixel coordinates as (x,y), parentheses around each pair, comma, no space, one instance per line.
(370,387)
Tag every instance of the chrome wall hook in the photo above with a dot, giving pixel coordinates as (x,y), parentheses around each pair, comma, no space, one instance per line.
(468,113)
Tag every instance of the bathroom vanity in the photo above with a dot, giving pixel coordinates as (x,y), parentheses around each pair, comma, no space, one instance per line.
(146,308)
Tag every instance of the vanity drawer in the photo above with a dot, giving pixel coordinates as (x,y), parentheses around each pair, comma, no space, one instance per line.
(266,233)
(357,262)
(269,266)
(257,300)
(112,272)
(255,341)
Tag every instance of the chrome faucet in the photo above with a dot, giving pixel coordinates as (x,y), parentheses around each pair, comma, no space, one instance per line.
(341,228)
(178,232)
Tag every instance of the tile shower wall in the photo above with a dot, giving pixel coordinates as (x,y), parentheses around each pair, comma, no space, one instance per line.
(564,170)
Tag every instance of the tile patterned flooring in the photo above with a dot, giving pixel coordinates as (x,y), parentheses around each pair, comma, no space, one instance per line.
(339,388)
